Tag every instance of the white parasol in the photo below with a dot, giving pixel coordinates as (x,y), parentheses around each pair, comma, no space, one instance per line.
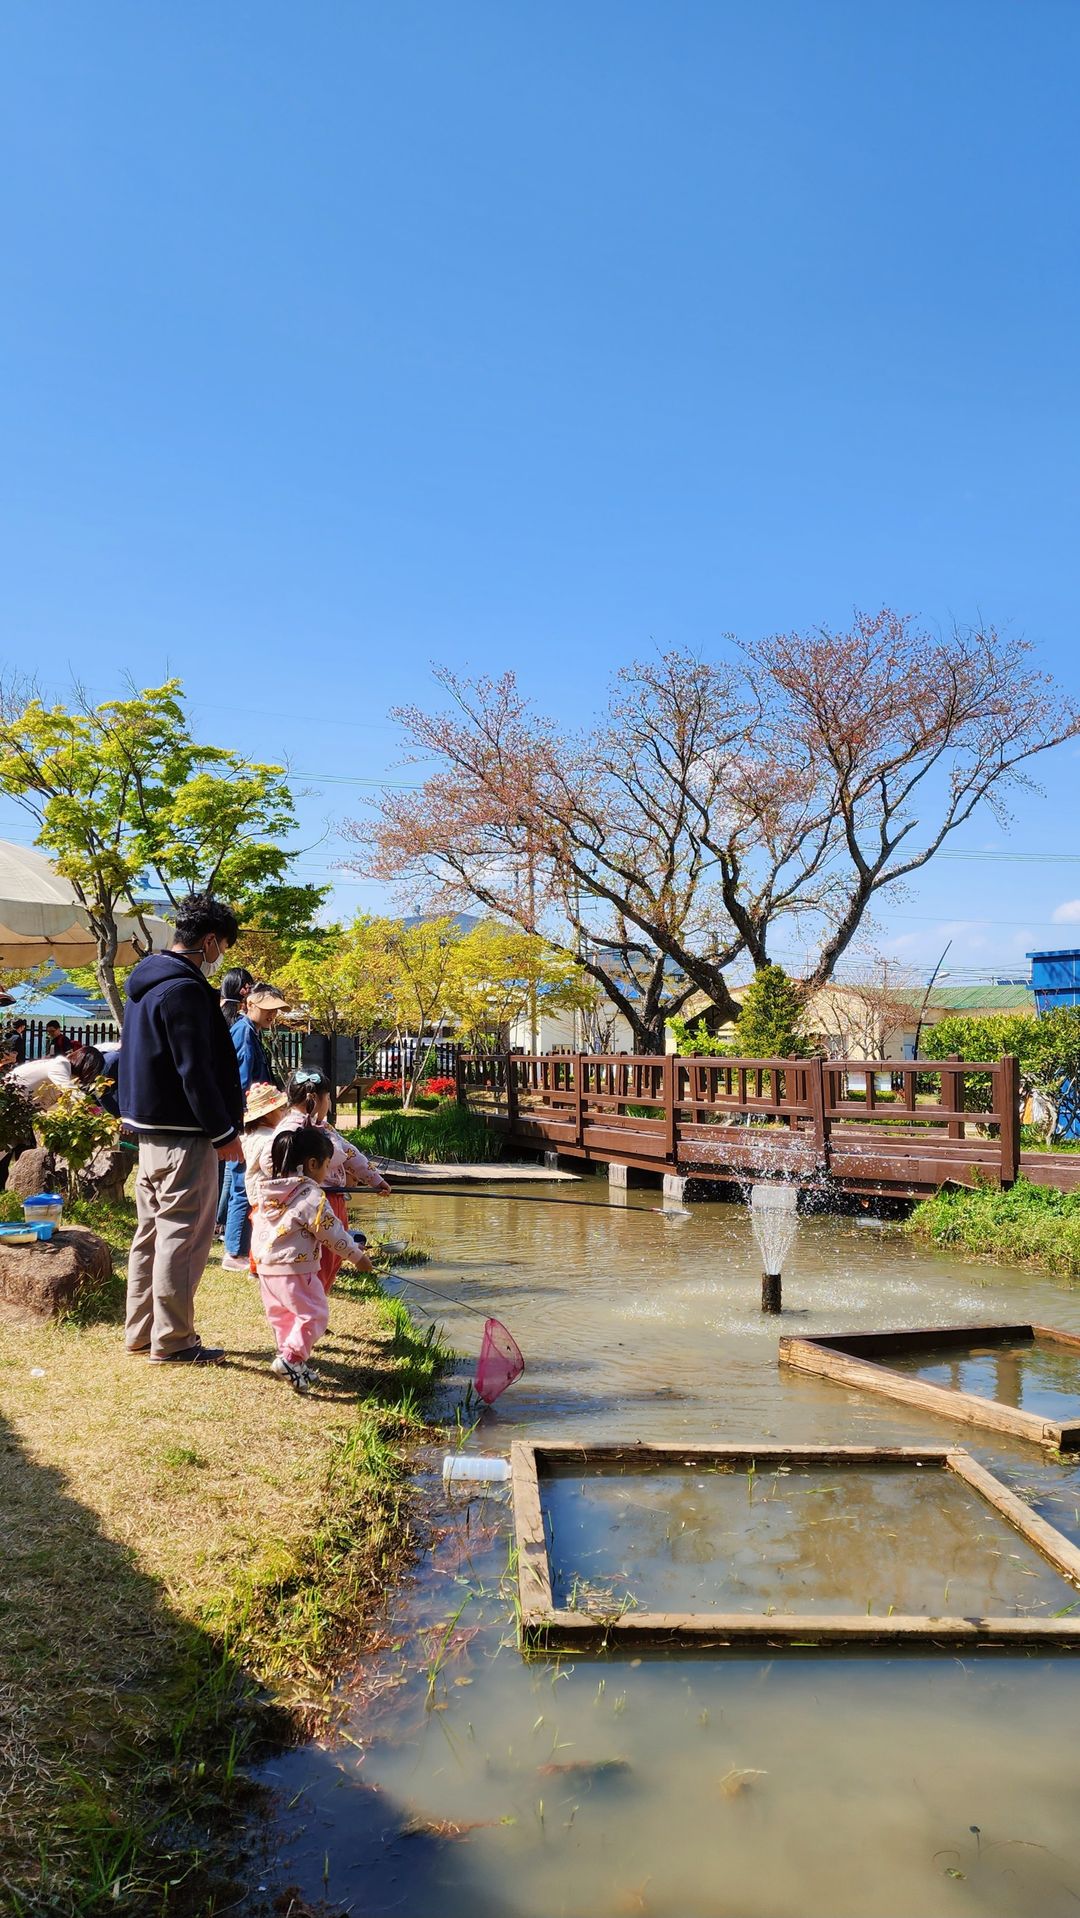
(40,917)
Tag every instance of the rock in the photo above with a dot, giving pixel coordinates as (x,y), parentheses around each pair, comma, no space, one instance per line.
(47,1278)
(106,1175)
(32,1171)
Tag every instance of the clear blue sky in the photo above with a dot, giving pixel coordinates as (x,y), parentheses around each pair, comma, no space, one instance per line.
(341,338)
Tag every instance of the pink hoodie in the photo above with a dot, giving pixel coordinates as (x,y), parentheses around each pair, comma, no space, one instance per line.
(347,1167)
(292,1224)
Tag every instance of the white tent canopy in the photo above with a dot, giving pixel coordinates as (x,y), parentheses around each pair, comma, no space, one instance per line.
(40,917)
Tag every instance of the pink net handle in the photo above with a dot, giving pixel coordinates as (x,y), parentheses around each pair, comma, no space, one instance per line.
(500,1361)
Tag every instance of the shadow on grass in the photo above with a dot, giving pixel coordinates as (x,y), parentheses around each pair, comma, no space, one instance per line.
(126,1733)
(123,1729)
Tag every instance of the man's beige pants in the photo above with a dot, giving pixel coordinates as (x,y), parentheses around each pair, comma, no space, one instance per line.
(176,1195)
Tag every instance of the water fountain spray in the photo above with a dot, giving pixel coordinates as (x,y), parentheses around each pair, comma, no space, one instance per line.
(773,1215)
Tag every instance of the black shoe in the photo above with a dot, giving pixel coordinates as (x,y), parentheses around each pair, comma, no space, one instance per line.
(191,1355)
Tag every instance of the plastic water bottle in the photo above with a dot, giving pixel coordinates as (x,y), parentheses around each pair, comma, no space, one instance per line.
(481,1471)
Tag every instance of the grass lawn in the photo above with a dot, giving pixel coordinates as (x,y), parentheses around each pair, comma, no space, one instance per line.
(187,1552)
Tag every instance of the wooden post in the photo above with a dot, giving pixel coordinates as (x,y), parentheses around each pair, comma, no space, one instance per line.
(950,1095)
(578,1125)
(671,1083)
(815,1087)
(1009,1127)
(459,1078)
(511,1094)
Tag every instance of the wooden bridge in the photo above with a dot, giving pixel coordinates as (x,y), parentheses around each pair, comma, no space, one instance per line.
(733,1119)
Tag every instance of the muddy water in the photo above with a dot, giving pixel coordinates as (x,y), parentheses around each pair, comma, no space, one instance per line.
(799,1786)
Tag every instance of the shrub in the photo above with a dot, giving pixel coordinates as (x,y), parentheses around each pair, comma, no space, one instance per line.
(1026,1224)
(693,1040)
(1048,1049)
(75,1129)
(17,1117)
(441,1088)
(451,1136)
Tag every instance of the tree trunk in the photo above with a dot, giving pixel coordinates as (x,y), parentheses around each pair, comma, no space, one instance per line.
(106,975)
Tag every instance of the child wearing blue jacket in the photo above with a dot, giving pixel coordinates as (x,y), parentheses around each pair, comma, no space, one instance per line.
(261,1009)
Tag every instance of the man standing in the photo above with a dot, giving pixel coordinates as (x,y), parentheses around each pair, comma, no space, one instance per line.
(180,1091)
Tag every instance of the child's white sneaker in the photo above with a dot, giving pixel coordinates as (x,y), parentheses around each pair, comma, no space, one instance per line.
(298,1375)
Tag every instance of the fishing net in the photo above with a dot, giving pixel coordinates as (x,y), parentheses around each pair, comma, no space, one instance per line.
(500,1361)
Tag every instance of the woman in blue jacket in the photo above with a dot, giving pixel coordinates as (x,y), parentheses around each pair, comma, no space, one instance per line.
(261,1008)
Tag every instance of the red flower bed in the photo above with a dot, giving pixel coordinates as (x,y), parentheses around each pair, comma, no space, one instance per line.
(443,1088)
(386,1089)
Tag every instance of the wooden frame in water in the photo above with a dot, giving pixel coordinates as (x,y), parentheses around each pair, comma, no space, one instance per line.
(861,1359)
(543,1625)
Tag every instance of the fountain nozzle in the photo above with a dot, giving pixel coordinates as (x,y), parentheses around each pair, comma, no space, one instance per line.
(770,1292)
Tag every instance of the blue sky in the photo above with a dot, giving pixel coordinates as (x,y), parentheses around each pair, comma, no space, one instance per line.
(338,339)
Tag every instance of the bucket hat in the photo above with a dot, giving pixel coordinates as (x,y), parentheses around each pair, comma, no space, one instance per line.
(262,1099)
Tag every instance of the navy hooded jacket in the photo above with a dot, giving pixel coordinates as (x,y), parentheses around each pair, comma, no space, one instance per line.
(178,1069)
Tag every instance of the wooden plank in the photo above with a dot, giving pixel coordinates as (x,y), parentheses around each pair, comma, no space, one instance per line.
(805,1355)
(936,1171)
(582,1632)
(927,1066)
(1053,1335)
(534,1575)
(610,1142)
(924,1115)
(563,1452)
(861,1343)
(1034,1167)
(1045,1538)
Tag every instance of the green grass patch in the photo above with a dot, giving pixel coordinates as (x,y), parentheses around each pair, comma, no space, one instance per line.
(1024,1225)
(451,1135)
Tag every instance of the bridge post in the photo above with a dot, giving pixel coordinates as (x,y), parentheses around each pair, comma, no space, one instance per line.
(950,1095)
(459,1077)
(511,1096)
(1009,1126)
(815,1087)
(578,1121)
(671,1143)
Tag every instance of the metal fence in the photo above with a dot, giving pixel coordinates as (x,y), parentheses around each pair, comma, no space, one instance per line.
(390,1062)
(94,1032)
(284,1046)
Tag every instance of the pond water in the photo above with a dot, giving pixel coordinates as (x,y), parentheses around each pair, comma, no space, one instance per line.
(473,1783)
(1030,1376)
(789,1540)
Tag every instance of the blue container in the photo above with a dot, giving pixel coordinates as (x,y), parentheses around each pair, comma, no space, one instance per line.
(43,1206)
(22,1233)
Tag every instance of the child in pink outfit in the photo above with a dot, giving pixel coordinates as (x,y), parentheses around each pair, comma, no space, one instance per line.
(308,1094)
(291,1226)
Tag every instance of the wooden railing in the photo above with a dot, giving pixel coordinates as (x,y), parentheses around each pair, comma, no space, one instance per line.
(719,1117)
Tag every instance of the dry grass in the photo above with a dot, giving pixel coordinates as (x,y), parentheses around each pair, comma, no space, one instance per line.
(172,1536)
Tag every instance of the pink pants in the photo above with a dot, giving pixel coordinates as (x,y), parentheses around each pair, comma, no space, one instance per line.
(298,1310)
